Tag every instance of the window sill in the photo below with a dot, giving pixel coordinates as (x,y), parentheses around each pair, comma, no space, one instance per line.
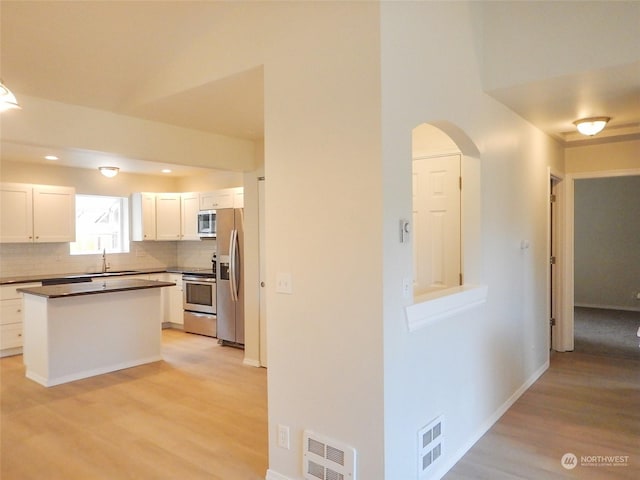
(434,306)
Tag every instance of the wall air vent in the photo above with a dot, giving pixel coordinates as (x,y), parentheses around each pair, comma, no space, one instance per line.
(326,459)
(430,439)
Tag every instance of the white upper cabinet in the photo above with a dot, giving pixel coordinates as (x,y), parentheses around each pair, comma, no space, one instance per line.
(189,207)
(225,198)
(54,213)
(37,213)
(16,213)
(217,199)
(164,216)
(167,216)
(143,216)
(238,197)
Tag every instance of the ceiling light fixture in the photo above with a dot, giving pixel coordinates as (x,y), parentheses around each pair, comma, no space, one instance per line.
(7,99)
(166,170)
(51,157)
(109,172)
(591,126)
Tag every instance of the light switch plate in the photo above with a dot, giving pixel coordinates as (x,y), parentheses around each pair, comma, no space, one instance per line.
(283,283)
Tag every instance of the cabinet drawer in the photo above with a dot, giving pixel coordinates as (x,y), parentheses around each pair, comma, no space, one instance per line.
(8,292)
(11,335)
(10,311)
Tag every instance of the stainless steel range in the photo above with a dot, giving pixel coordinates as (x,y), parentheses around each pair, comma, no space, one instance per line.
(199,302)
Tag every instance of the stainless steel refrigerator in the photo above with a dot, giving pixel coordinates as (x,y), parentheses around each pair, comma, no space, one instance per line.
(230,275)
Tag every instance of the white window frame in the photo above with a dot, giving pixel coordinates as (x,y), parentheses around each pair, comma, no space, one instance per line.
(123,226)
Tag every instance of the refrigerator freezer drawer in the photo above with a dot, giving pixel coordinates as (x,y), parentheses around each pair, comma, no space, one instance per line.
(200,323)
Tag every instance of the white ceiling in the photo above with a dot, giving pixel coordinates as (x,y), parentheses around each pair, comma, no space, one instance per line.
(105,55)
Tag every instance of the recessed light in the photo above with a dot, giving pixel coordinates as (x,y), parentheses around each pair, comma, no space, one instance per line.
(51,157)
(166,170)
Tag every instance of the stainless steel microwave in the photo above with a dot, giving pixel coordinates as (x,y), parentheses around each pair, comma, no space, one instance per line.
(207,223)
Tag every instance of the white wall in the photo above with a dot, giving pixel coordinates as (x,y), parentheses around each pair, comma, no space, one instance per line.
(531,41)
(59,125)
(469,366)
(607,242)
(215,180)
(324,226)
(603,157)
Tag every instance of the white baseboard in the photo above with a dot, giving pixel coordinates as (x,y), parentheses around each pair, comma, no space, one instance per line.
(608,307)
(7,352)
(271,475)
(252,362)
(53,381)
(489,422)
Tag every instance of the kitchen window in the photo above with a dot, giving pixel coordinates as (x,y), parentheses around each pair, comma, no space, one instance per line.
(102,224)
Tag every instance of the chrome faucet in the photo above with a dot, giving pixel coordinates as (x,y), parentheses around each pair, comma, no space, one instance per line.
(105,265)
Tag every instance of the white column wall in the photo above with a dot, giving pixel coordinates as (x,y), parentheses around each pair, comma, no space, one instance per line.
(324,227)
(471,366)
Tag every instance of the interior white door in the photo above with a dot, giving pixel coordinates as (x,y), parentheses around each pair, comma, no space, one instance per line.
(436,219)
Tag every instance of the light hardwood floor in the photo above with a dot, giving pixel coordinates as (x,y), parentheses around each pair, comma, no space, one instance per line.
(587,405)
(199,414)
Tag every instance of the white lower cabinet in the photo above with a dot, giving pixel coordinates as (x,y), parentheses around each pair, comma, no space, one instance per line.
(173,305)
(11,311)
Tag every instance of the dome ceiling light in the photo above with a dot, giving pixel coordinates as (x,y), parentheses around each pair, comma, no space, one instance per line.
(109,172)
(591,126)
(7,99)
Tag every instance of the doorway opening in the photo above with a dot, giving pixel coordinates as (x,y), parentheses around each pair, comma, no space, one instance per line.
(564,333)
(607,266)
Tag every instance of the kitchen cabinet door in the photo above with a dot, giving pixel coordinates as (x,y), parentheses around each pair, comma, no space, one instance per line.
(238,197)
(174,306)
(217,199)
(16,213)
(143,216)
(37,213)
(54,214)
(189,207)
(167,216)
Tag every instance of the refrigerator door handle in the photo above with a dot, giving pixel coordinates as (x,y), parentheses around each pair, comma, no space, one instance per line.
(232,265)
(236,265)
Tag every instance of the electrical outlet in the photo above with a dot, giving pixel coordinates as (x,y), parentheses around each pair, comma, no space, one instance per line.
(638,296)
(283,437)
(406,287)
(283,283)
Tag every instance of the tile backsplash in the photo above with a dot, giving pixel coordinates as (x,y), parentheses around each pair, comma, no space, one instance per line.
(19,259)
(196,254)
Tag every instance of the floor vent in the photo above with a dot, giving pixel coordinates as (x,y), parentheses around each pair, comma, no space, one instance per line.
(430,440)
(326,459)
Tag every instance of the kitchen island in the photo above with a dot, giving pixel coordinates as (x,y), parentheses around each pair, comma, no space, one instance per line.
(79,330)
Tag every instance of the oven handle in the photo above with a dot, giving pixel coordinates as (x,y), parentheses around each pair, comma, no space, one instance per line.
(198,281)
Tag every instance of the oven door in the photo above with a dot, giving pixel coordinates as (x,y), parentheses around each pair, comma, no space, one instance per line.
(199,295)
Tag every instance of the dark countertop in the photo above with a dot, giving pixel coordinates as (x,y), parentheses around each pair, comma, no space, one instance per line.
(119,273)
(93,288)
